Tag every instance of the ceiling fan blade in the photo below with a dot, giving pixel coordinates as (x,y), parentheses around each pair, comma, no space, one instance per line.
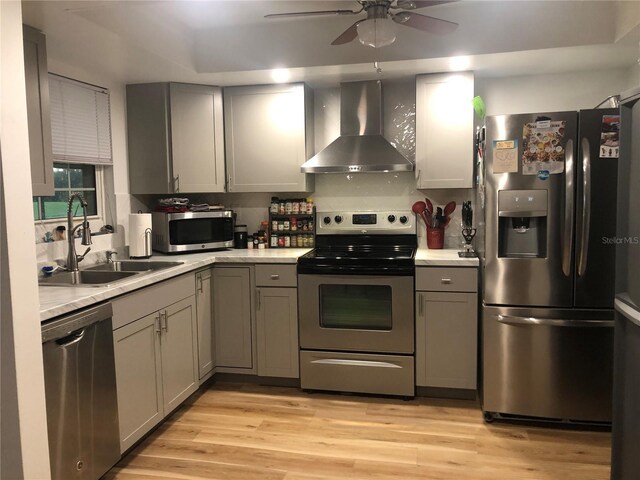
(413,4)
(424,22)
(311,13)
(349,35)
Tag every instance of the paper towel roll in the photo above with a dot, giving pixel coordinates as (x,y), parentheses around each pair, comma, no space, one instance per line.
(140,235)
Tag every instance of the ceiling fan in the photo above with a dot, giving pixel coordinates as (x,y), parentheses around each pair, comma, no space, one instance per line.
(379,28)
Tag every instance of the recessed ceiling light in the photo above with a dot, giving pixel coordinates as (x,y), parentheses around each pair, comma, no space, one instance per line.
(280,75)
(459,63)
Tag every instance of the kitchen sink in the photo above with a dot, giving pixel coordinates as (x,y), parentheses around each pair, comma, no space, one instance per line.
(85,278)
(132,266)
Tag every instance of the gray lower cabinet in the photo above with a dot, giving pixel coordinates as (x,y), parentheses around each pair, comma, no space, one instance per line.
(175,138)
(446,328)
(38,114)
(204,310)
(156,355)
(277,332)
(268,136)
(232,312)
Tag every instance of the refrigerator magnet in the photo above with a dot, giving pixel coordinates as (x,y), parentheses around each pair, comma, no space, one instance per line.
(505,156)
(610,136)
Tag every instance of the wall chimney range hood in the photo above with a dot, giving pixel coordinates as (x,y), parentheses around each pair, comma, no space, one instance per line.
(360,146)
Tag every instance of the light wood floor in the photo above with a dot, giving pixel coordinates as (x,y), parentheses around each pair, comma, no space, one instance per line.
(235,432)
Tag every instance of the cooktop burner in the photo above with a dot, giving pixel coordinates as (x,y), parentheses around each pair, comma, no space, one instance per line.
(363,243)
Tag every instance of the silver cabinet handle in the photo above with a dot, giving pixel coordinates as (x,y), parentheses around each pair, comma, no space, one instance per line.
(176,183)
(552,322)
(567,234)
(420,304)
(156,324)
(355,363)
(275,277)
(200,288)
(164,324)
(586,207)
(445,281)
(259,299)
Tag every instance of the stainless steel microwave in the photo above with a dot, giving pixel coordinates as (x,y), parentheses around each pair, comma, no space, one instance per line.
(192,231)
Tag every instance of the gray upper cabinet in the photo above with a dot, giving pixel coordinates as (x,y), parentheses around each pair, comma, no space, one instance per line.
(38,115)
(444,130)
(268,136)
(175,138)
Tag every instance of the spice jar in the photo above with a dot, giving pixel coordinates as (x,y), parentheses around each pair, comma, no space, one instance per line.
(294,224)
(295,208)
(309,206)
(281,207)
(287,241)
(273,208)
(288,207)
(274,241)
(286,225)
(294,241)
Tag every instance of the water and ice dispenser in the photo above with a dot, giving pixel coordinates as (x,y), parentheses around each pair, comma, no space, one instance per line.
(522,224)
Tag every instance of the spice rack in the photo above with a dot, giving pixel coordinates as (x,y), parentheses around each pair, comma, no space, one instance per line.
(283,235)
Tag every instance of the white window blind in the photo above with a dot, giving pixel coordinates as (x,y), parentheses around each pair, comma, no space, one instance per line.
(80,122)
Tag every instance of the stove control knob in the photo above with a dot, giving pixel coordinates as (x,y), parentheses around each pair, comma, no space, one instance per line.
(338,219)
(391,218)
(326,220)
(403,219)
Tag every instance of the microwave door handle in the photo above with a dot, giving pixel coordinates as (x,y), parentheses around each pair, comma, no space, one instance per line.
(586,207)
(567,234)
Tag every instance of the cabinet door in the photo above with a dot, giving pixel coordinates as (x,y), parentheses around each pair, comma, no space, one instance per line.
(444,130)
(265,138)
(197,138)
(232,317)
(179,352)
(38,116)
(446,340)
(204,310)
(148,145)
(277,329)
(138,378)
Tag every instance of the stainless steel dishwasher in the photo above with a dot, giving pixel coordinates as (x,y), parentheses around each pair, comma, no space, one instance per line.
(80,387)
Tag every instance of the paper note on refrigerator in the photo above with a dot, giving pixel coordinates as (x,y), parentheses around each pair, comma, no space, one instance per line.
(505,156)
(543,147)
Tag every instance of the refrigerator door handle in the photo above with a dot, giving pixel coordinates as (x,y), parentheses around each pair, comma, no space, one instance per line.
(567,234)
(552,322)
(586,206)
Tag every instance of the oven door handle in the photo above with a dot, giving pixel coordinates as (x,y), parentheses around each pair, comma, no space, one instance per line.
(355,363)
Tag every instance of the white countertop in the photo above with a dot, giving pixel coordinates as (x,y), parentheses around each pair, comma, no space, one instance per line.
(56,301)
(445,257)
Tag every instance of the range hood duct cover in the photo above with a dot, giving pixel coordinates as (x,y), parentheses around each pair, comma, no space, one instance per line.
(360,146)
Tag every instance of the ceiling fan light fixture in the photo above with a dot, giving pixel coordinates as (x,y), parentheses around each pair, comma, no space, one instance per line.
(377,32)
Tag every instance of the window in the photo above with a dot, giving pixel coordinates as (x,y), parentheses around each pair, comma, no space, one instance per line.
(68,178)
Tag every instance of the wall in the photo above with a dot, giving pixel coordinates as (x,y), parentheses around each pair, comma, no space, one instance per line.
(556,92)
(23,389)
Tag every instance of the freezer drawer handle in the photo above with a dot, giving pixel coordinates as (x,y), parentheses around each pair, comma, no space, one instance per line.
(628,312)
(552,322)
(355,363)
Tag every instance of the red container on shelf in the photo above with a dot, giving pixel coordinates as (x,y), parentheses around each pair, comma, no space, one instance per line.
(435,237)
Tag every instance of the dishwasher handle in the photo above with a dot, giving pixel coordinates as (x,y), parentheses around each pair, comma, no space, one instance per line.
(69,340)
(62,329)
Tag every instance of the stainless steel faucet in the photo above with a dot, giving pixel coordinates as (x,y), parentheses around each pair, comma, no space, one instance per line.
(72,258)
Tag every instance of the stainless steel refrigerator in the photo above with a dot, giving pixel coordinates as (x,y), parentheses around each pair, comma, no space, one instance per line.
(625,464)
(548,265)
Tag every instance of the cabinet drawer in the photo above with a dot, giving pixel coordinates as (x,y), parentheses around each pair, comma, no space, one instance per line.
(136,305)
(276,276)
(448,279)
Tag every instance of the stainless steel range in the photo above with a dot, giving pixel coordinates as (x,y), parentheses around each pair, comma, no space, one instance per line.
(355,302)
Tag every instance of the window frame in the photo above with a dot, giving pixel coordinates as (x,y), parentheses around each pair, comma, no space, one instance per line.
(98,218)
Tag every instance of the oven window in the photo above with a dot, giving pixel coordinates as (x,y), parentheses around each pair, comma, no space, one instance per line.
(359,307)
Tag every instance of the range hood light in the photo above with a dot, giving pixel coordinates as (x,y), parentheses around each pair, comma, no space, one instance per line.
(377,32)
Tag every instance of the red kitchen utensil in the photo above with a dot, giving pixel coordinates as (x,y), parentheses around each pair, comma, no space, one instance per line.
(449,208)
(419,208)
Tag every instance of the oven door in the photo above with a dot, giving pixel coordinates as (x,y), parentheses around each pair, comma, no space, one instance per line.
(356,313)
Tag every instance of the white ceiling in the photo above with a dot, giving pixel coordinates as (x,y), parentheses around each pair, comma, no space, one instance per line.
(230,42)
